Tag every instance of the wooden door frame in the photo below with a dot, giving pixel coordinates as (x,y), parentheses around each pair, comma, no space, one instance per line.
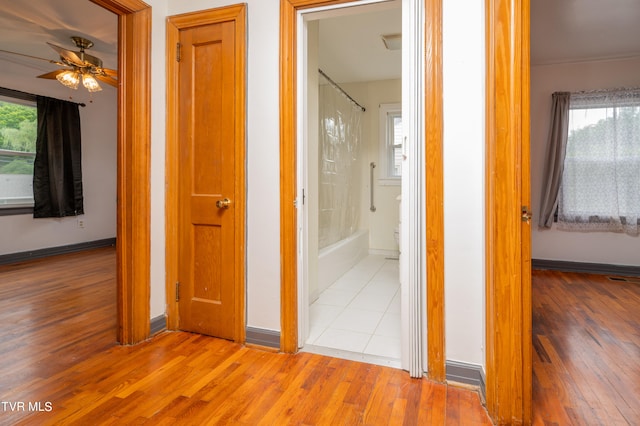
(508,260)
(433,171)
(133,181)
(236,14)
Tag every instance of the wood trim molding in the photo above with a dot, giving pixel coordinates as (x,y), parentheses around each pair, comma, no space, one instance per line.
(237,14)
(134,136)
(508,295)
(434,180)
(171,207)
(434,120)
(288,222)
(122,7)
(288,186)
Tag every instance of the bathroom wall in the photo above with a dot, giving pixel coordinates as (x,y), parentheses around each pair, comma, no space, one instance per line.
(383,221)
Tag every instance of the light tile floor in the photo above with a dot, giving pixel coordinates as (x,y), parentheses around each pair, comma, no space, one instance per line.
(358,316)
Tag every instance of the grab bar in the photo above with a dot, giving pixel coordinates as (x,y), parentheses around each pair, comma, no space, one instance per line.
(373,206)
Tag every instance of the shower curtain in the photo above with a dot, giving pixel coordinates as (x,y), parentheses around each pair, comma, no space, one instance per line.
(339,166)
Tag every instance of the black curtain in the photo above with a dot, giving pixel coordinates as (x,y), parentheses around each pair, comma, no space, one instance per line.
(57,169)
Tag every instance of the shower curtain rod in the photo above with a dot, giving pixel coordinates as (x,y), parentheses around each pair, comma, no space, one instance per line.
(334,84)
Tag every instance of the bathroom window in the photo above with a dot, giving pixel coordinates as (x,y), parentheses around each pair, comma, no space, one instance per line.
(390,144)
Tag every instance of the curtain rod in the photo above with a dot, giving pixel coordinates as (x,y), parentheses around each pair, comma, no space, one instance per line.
(25,96)
(597,91)
(334,84)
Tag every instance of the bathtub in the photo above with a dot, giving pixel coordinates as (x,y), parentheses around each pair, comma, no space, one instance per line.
(338,258)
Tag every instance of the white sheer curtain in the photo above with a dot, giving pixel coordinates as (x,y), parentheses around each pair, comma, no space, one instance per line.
(339,166)
(600,188)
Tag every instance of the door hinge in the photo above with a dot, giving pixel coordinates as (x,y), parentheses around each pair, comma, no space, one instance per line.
(177,291)
(299,200)
(178,45)
(525,214)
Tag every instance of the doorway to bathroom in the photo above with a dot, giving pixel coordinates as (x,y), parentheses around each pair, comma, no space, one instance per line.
(350,174)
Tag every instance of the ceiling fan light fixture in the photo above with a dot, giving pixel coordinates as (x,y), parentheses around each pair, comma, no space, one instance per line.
(80,65)
(69,79)
(90,83)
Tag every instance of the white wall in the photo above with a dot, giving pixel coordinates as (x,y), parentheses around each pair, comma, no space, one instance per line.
(98,125)
(382,222)
(263,164)
(385,219)
(464,173)
(158,300)
(553,244)
(464,65)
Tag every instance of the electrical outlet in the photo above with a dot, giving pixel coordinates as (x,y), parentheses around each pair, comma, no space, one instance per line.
(80,223)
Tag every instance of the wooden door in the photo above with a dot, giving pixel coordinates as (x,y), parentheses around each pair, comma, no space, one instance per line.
(525,224)
(207,170)
(508,228)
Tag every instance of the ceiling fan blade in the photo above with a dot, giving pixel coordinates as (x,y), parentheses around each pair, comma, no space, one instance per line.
(109,72)
(69,56)
(33,57)
(106,79)
(52,75)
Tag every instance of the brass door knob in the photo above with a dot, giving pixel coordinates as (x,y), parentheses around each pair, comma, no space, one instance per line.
(223,204)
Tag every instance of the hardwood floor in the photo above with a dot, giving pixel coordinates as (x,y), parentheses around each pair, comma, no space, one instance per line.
(57,341)
(58,352)
(53,313)
(586,339)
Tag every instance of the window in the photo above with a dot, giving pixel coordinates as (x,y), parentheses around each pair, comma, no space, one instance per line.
(18,129)
(390,144)
(600,189)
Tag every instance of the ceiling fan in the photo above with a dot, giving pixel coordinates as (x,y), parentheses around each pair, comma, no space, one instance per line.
(79,66)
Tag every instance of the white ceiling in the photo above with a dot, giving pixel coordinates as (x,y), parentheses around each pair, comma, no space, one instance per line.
(580,30)
(561,31)
(351,49)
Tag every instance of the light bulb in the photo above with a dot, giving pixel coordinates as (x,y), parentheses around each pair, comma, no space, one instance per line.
(69,79)
(90,83)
